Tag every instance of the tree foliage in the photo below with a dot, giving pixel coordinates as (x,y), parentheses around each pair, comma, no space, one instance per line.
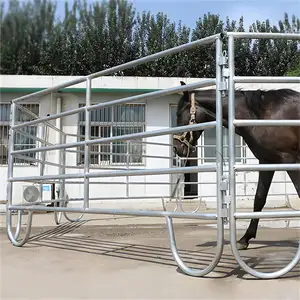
(89,38)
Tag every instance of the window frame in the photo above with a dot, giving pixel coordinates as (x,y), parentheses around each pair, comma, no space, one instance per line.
(209,160)
(111,124)
(7,124)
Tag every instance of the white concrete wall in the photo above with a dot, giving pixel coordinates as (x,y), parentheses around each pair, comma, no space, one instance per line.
(157,117)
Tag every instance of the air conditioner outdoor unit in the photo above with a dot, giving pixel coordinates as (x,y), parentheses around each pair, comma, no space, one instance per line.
(33,192)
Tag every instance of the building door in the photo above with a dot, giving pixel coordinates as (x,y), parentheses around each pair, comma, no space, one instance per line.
(190,189)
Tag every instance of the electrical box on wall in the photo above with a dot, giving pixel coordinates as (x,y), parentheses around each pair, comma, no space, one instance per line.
(47,192)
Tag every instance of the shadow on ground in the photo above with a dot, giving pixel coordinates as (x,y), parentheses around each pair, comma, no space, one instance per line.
(65,237)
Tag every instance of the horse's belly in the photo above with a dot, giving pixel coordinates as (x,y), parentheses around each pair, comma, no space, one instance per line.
(282,139)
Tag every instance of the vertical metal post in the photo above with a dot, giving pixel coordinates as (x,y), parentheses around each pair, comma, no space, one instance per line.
(43,156)
(220,219)
(127,166)
(62,139)
(10,157)
(62,167)
(231,140)
(219,144)
(62,170)
(14,238)
(87,138)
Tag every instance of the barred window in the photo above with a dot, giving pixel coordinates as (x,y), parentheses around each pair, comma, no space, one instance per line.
(209,145)
(25,139)
(113,121)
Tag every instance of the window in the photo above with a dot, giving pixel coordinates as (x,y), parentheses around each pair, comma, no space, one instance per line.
(25,139)
(113,121)
(209,145)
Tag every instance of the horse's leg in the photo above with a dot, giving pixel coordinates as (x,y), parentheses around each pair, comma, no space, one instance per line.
(264,182)
(295,177)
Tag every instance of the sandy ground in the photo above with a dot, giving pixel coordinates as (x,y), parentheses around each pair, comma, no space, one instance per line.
(129,258)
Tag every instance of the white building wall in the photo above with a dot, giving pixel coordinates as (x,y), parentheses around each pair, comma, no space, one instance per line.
(157,117)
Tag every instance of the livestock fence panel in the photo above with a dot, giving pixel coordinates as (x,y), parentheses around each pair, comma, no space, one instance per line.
(110,143)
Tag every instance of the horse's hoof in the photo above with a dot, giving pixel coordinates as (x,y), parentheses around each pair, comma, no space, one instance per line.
(242,245)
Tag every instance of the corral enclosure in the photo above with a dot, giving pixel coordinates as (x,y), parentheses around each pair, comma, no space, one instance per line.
(110,127)
(152,152)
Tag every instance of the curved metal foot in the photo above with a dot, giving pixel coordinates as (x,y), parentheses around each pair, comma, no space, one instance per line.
(262,275)
(18,228)
(194,211)
(58,215)
(14,238)
(73,220)
(164,205)
(66,215)
(191,271)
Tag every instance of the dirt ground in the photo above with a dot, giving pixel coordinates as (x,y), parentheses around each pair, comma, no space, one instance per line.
(129,258)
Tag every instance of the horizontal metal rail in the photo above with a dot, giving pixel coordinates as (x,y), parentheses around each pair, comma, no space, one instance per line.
(37,117)
(267,167)
(36,160)
(33,137)
(206,168)
(131,136)
(144,97)
(108,167)
(265,79)
(131,64)
(121,198)
(264,35)
(38,202)
(123,182)
(141,213)
(241,123)
(134,143)
(267,214)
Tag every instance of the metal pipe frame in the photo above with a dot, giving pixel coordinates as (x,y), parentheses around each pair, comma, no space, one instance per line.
(219,169)
(233,215)
(222,215)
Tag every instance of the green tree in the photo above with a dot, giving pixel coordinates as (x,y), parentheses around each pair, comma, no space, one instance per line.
(274,57)
(24,29)
(104,34)
(202,59)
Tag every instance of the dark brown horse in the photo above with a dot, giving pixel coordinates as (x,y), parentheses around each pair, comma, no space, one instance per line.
(268,144)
